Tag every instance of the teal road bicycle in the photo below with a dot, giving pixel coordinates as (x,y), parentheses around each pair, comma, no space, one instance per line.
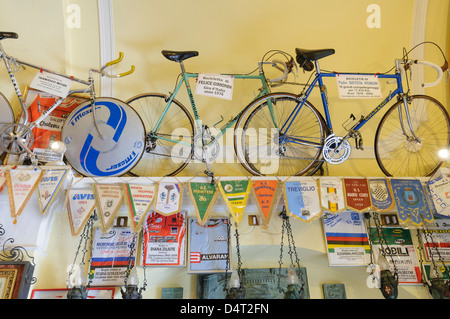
(174,136)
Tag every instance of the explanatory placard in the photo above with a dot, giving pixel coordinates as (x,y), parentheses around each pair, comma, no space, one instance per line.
(215,85)
(358,86)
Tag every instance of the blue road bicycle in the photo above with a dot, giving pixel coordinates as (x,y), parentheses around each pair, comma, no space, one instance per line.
(284,134)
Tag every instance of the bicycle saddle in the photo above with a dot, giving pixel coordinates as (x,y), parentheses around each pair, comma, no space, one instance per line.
(178,56)
(313,55)
(8,35)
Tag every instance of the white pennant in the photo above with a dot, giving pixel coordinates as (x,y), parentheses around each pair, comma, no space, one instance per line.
(168,201)
(21,184)
(49,186)
(138,199)
(80,206)
(108,199)
(3,170)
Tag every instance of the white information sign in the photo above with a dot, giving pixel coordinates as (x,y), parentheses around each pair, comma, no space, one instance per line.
(215,85)
(51,83)
(358,86)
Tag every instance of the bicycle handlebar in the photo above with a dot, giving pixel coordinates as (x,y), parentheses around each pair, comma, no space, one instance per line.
(286,69)
(111,63)
(440,70)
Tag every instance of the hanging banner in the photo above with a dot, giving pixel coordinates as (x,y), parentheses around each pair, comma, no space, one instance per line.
(164,240)
(169,197)
(49,186)
(108,200)
(357,195)
(138,199)
(302,199)
(332,195)
(111,256)
(203,195)
(381,195)
(21,184)
(346,238)
(235,193)
(438,246)
(80,205)
(267,198)
(3,170)
(399,249)
(440,194)
(411,201)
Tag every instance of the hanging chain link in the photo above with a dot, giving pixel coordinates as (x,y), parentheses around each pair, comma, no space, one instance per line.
(383,241)
(227,263)
(238,253)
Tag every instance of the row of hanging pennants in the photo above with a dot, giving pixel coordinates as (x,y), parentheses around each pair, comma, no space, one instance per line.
(305,198)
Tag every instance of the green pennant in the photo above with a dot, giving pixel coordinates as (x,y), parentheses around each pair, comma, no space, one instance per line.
(203,196)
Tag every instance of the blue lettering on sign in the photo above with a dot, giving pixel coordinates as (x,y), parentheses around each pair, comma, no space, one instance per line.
(83,196)
(89,155)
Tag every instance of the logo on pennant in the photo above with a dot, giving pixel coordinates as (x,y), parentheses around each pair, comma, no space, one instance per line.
(203,196)
(168,200)
(138,200)
(21,184)
(266,194)
(49,186)
(302,199)
(108,200)
(357,195)
(80,206)
(235,194)
(411,201)
(332,195)
(380,195)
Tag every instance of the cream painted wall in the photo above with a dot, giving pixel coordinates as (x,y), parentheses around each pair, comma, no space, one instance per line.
(231,37)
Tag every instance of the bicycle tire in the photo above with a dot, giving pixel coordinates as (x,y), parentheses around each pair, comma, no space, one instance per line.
(286,158)
(6,118)
(398,157)
(162,157)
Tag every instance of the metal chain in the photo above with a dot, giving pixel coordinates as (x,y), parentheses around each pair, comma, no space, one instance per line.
(383,241)
(421,254)
(280,261)
(144,285)
(227,264)
(132,248)
(238,253)
(433,244)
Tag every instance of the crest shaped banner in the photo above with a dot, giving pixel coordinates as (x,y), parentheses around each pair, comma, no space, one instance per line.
(357,195)
(302,199)
(411,201)
(203,196)
(138,199)
(235,193)
(381,195)
(168,200)
(332,194)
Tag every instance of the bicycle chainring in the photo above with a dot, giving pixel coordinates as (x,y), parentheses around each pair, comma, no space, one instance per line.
(207,153)
(336,150)
(16,138)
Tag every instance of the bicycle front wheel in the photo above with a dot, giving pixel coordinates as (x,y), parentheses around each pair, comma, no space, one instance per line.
(397,152)
(278,135)
(168,148)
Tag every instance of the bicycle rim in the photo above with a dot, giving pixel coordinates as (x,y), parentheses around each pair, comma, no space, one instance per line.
(399,156)
(265,150)
(169,149)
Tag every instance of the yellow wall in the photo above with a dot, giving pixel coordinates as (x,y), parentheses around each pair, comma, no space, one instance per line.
(231,37)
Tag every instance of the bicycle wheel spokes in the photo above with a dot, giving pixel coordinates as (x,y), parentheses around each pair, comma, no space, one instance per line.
(169,148)
(264,150)
(400,154)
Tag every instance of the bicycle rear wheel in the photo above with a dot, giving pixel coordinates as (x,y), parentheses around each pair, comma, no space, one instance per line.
(396,154)
(265,147)
(168,149)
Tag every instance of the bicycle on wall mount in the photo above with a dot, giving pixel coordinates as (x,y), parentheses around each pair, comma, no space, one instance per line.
(95,130)
(173,135)
(407,141)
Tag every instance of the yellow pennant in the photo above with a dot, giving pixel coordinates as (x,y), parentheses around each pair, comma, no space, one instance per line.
(235,194)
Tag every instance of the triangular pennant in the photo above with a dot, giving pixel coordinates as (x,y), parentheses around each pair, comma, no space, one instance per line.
(381,195)
(3,170)
(235,194)
(411,201)
(357,195)
(80,205)
(203,196)
(21,184)
(169,197)
(332,194)
(138,199)
(267,197)
(302,199)
(49,185)
(108,200)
